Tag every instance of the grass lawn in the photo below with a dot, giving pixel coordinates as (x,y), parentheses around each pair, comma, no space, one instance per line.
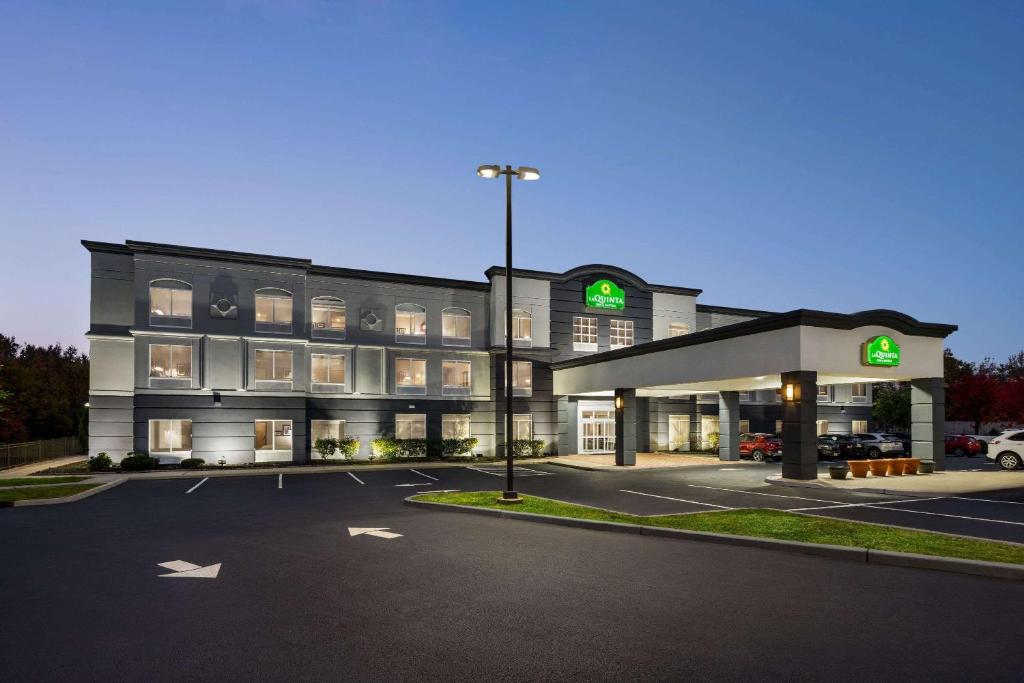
(34,481)
(36,492)
(73,468)
(776,524)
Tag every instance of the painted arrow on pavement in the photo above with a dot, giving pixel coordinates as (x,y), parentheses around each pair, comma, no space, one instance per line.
(379,533)
(187,570)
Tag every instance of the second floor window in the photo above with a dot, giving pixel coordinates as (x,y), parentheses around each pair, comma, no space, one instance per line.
(273,366)
(273,310)
(522,375)
(410,323)
(456,327)
(678,329)
(455,374)
(621,333)
(327,314)
(170,362)
(859,391)
(584,334)
(170,303)
(327,368)
(824,393)
(411,375)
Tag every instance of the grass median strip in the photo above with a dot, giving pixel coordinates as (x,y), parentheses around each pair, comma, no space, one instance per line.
(36,481)
(762,523)
(37,492)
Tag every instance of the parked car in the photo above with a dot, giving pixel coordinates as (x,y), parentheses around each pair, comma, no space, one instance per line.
(877,444)
(760,447)
(1007,450)
(962,445)
(838,447)
(904,438)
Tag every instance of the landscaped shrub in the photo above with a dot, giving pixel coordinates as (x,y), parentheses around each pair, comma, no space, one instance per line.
(100,463)
(348,447)
(527,448)
(192,463)
(325,447)
(452,447)
(388,448)
(135,462)
(713,442)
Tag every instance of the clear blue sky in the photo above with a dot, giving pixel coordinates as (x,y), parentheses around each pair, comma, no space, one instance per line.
(839,156)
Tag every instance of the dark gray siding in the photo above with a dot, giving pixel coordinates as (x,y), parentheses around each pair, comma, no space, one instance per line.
(567,301)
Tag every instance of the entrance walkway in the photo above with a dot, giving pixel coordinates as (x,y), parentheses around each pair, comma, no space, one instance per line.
(33,467)
(603,461)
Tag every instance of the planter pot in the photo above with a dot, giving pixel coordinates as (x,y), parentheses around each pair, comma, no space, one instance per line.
(838,472)
(895,468)
(878,467)
(926,467)
(910,465)
(859,468)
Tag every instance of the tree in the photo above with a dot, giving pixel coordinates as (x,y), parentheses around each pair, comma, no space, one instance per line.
(892,406)
(975,397)
(1013,368)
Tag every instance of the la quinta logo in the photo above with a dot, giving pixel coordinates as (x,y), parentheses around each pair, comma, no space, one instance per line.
(606,294)
(881,351)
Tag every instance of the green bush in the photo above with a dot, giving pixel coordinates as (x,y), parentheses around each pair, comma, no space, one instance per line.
(348,447)
(325,447)
(713,441)
(389,448)
(450,447)
(135,462)
(100,463)
(527,448)
(192,463)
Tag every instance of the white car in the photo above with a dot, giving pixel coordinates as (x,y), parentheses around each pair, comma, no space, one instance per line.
(1007,449)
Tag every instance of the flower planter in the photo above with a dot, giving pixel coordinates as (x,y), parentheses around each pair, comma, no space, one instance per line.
(895,468)
(926,467)
(910,465)
(838,471)
(859,468)
(878,467)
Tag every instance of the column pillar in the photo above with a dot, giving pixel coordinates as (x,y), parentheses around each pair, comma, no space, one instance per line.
(799,429)
(728,425)
(928,420)
(626,431)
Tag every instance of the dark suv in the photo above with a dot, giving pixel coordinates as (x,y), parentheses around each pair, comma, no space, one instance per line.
(760,447)
(839,447)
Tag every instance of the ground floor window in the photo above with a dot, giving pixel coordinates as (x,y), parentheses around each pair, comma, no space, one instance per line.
(455,426)
(522,427)
(273,435)
(822,426)
(859,426)
(597,427)
(410,426)
(778,427)
(708,426)
(170,436)
(326,429)
(744,426)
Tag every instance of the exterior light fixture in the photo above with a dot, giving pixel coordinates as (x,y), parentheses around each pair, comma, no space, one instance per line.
(842,410)
(791,392)
(528,173)
(618,403)
(488,171)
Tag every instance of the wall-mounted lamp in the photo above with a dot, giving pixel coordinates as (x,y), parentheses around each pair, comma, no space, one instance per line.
(619,403)
(842,410)
(791,392)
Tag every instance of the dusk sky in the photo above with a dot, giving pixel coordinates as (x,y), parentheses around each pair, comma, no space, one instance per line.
(837,156)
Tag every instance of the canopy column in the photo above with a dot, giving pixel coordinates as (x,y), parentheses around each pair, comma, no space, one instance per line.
(799,424)
(728,425)
(928,420)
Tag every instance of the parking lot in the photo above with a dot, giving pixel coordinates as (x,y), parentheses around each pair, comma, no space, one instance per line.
(330,576)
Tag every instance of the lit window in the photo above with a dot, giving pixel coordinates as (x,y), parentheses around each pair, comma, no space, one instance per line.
(273,435)
(326,429)
(744,426)
(522,376)
(746,395)
(859,391)
(778,427)
(456,327)
(273,366)
(410,323)
(678,329)
(328,368)
(455,427)
(522,326)
(170,303)
(273,310)
(522,427)
(328,314)
(455,375)
(409,426)
(584,334)
(170,362)
(824,393)
(822,426)
(170,436)
(620,333)
(411,375)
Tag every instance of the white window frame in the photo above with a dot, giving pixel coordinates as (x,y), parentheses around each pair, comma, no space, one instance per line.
(460,418)
(172,451)
(678,329)
(415,389)
(411,337)
(169,320)
(621,333)
(581,333)
(288,425)
(404,417)
(329,304)
(328,356)
(455,340)
(517,387)
(518,316)
(863,398)
(457,388)
(191,362)
(518,420)
(858,423)
(827,396)
(821,427)
(278,297)
(273,366)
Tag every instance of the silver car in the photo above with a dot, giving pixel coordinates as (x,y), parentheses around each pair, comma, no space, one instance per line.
(879,445)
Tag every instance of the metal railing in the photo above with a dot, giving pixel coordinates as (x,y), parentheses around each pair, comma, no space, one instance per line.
(14,454)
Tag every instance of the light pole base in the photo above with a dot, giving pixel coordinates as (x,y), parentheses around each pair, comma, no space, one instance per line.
(510,498)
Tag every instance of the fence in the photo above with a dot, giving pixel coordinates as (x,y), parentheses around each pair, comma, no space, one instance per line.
(13,454)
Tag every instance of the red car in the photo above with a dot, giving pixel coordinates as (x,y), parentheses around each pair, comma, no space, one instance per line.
(962,445)
(760,447)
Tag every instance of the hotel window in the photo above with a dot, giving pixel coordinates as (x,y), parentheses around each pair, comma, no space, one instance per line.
(411,375)
(273,435)
(778,427)
(746,395)
(328,368)
(858,426)
(170,436)
(824,393)
(522,327)
(273,310)
(455,426)
(522,427)
(455,376)
(822,426)
(522,377)
(410,426)
(273,366)
(170,362)
(584,334)
(859,392)
(744,426)
(410,324)
(678,329)
(325,429)
(328,314)
(170,303)
(621,333)
(456,327)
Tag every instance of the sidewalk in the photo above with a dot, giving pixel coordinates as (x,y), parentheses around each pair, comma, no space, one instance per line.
(644,461)
(33,467)
(938,484)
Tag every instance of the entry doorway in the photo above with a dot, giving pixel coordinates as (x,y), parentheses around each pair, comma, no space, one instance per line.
(597,428)
(678,433)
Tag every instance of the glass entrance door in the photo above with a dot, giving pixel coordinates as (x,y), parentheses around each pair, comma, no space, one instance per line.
(597,430)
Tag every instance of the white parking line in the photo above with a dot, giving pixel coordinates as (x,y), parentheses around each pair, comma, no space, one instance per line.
(196,486)
(280,481)
(759,493)
(942,514)
(424,475)
(357,478)
(679,500)
(988,500)
(863,505)
(518,471)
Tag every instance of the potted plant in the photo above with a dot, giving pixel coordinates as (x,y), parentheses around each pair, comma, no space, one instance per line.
(926,467)
(838,471)
(878,467)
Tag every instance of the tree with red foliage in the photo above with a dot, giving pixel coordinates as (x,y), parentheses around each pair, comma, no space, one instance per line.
(974,394)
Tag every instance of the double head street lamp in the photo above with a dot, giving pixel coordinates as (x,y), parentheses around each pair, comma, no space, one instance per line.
(509,495)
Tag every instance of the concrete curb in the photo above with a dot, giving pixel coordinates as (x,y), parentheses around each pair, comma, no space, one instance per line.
(66,499)
(849,553)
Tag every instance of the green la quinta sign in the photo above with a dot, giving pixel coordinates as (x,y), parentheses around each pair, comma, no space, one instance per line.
(881,350)
(606,294)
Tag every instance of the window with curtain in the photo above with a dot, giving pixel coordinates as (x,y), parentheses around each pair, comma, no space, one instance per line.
(170,361)
(273,366)
(327,314)
(410,426)
(411,375)
(170,303)
(327,368)
(456,327)
(273,310)
(410,323)
(455,427)
(455,375)
(170,436)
